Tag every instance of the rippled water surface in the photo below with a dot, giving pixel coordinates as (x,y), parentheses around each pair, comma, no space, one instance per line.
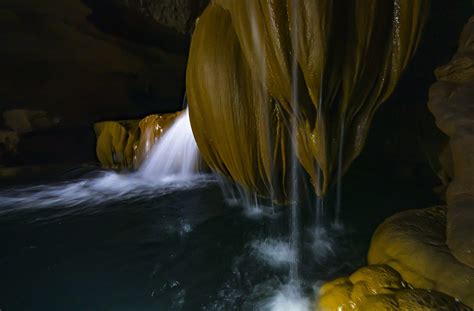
(106,241)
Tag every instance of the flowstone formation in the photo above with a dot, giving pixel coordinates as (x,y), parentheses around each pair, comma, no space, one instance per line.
(414,243)
(380,287)
(268,78)
(433,248)
(126,144)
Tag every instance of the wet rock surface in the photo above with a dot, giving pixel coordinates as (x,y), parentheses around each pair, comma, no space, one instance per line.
(380,287)
(126,144)
(414,244)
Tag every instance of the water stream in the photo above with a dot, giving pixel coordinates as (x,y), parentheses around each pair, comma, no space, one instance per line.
(175,155)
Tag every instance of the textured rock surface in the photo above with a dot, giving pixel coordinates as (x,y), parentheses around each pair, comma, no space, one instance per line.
(241,83)
(380,287)
(176,14)
(24,121)
(115,143)
(452,103)
(125,144)
(414,243)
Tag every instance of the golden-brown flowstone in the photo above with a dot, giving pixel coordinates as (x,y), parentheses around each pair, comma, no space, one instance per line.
(250,58)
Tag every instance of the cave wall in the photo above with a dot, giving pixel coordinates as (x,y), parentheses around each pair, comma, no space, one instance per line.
(78,66)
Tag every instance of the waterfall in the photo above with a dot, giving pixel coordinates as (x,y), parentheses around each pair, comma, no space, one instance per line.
(337,220)
(175,155)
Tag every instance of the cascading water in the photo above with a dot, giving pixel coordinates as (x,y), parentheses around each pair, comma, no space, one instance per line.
(175,155)
(294,221)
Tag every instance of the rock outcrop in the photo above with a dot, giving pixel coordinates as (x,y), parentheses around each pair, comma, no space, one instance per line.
(380,287)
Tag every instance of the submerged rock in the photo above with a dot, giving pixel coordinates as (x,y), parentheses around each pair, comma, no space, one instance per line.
(380,287)
(265,77)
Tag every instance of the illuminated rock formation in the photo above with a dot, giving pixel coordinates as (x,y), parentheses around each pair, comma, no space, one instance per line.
(267,77)
(381,288)
(125,144)
(433,248)
(414,243)
(115,143)
(151,129)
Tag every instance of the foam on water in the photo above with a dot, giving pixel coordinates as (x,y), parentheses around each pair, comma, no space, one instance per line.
(287,298)
(170,166)
(322,244)
(274,252)
(106,187)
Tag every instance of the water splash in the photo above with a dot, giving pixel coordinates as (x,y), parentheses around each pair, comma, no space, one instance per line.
(288,298)
(276,253)
(175,155)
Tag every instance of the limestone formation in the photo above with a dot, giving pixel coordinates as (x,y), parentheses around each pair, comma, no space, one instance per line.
(433,248)
(452,103)
(414,243)
(267,77)
(152,128)
(381,288)
(115,143)
(126,144)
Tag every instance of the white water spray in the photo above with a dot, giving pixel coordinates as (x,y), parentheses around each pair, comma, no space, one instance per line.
(175,154)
